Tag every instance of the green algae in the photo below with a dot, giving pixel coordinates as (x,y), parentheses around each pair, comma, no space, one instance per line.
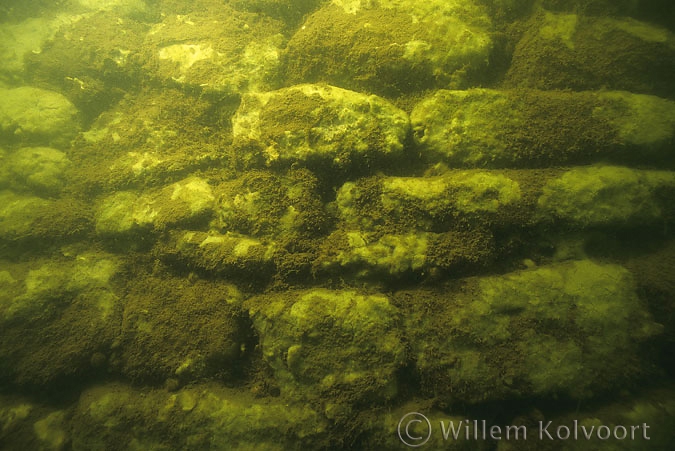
(330,348)
(551,330)
(287,266)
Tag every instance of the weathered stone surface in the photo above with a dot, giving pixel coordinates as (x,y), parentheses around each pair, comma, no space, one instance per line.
(151,139)
(58,318)
(35,116)
(330,347)
(570,51)
(93,60)
(224,51)
(317,125)
(391,46)
(609,196)
(213,252)
(40,170)
(428,203)
(386,257)
(184,202)
(482,127)
(187,332)
(199,417)
(29,220)
(263,204)
(573,329)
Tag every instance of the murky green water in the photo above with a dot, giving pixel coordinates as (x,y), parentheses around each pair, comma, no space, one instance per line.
(346,224)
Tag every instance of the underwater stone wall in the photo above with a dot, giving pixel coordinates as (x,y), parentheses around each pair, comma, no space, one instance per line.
(281,225)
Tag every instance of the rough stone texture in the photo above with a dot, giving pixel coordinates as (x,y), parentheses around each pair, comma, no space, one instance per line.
(35,116)
(290,12)
(25,37)
(173,330)
(262,204)
(626,415)
(654,11)
(482,127)
(40,170)
(30,220)
(226,51)
(184,202)
(331,348)
(392,46)
(609,196)
(569,51)
(386,257)
(23,420)
(92,60)
(213,252)
(40,307)
(199,417)
(572,329)
(318,124)
(151,139)
(428,203)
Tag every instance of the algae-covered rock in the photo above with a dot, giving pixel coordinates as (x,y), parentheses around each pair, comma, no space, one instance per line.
(226,51)
(417,424)
(213,252)
(506,11)
(35,116)
(14,414)
(391,46)
(391,254)
(93,60)
(373,255)
(608,195)
(31,219)
(53,431)
(569,51)
(61,319)
(332,348)
(572,329)
(185,202)
(26,421)
(289,11)
(18,213)
(318,125)
(428,203)
(482,127)
(199,417)
(37,169)
(26,37)
(156,137)
(260,203)
(188,332)
(635,421)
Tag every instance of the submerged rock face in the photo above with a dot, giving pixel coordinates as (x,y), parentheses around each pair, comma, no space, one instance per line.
(603,195)
(323,342)
(318,125)
(35,116)
(202,416)
(183,202)
(40,307)
(569,329)
(223,51)
(182,333)
(40,170)
(563,51)
(391,47)
(281,224)
(488,128)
